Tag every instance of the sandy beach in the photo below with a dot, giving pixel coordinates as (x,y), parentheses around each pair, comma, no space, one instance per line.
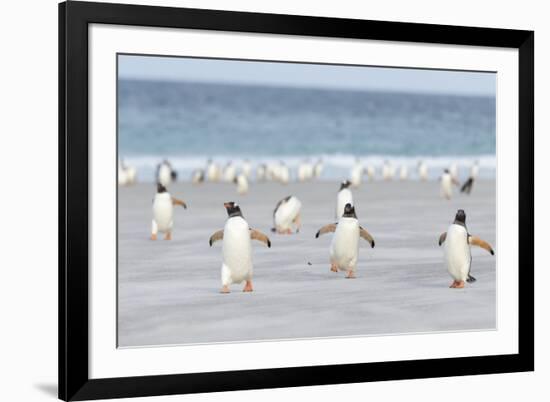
(169,290)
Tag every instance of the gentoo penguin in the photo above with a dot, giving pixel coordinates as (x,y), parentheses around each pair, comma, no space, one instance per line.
(318,168)
(163,213)
(212,171)
(371,172)
(305,171)
(344,247)
(356,174)
(468,184)
(122,175)
(126,174)
(283,174)
(242,183)
(197,176)
(474,170)
(344,197)
(229,173)
(453,170)
(261,172)
(446,186)
(237,248)
(286,214)
(458,255)
(422,171)
(403,172)
(387,171)
(165,173)
(246,169)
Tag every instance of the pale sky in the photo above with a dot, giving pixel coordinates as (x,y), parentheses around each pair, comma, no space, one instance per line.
(306,75)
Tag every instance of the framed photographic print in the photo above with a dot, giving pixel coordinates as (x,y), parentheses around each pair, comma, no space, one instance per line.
(257,200)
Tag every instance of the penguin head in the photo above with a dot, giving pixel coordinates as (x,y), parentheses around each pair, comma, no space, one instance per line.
(232,209)
(161,188)
(349,211)
(446,171)
(460,216)
(345,184)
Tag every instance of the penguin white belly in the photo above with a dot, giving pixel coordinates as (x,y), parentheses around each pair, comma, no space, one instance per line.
(237,251)
(344,197)
(286,213)
(457,252)
(446,186)
(165,176)
(344,247)
(163,212)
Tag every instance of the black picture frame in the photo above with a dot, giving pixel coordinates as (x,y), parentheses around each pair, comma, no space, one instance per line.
(74,18)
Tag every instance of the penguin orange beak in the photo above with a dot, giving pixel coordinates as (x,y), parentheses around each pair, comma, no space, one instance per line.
(227,204)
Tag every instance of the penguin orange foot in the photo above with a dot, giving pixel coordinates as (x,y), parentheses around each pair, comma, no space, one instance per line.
(248,287)
(225,289)
(153,237)
(168,236)
(350,275)
(334,268)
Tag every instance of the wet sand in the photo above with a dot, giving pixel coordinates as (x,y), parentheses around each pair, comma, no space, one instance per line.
(169,290)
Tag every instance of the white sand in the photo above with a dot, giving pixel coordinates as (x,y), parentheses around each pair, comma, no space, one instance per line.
(169,290)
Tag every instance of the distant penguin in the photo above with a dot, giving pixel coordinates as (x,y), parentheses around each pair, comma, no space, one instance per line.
(230,172)
(246,169)
(165,173)
(403,172)
(261,172)
(237,248)
(305,171)
(371,172)
(131,172)
(453,170)
(242,184)
(287,214)
(474,170)
(468,184)
(212,171)
(446,184)
(283,174)
(344,197)
(197,176)
(318,168)
(344,247)
(356,174)
(458,255)
(123,179)
(422,171)
(387,171)
(163,213)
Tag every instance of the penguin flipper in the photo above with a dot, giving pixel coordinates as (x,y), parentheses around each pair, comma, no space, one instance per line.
(476,241)
(326,229)
(257,235)
(366,235)
(215,237)
(442,238)
(175,201)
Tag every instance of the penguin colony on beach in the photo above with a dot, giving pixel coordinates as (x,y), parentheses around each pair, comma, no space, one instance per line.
(236,235)
(242,174)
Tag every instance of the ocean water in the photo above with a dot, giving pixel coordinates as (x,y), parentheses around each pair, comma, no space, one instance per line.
(189,122)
